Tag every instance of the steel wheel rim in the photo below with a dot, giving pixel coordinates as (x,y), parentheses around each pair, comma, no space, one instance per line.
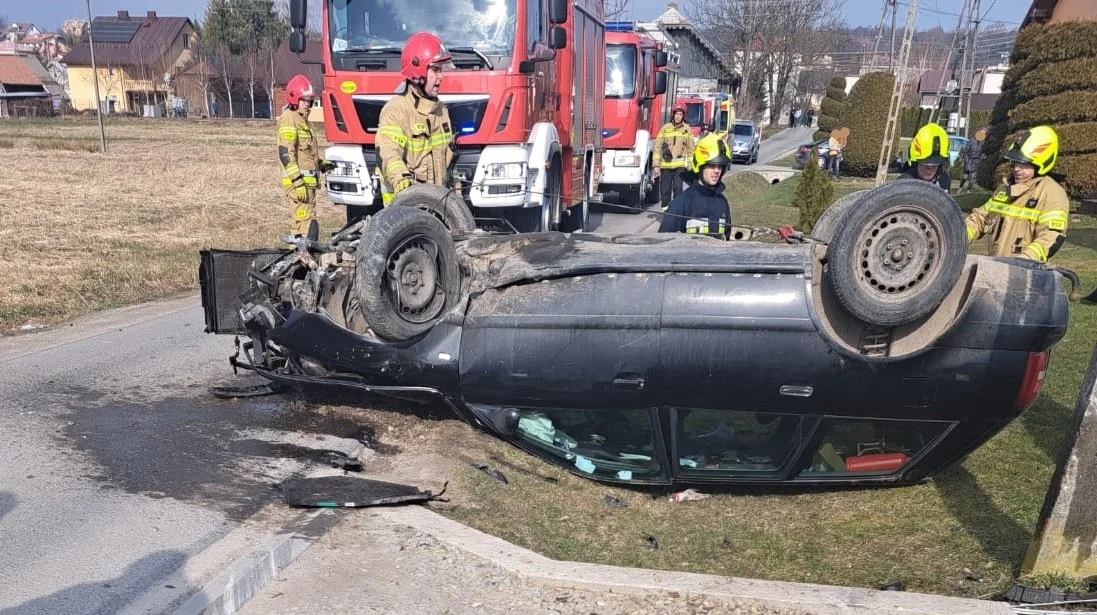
(898,253)
(413,275)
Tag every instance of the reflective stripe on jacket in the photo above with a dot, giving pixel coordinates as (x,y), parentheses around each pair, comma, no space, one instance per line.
(1028,220)
(298,151)
(414,142)
(673,146)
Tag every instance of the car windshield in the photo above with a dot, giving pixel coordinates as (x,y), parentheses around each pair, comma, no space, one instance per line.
(620,71)
(744,130)
(486,26)
(695,114)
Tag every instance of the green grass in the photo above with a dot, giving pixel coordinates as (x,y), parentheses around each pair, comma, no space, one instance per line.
(975,520)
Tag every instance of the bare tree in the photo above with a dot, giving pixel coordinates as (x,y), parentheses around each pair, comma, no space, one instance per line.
(201,69)
(798,40)
(618,10)
(737,27)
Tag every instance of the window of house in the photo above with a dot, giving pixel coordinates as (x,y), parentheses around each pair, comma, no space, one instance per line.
(186,41)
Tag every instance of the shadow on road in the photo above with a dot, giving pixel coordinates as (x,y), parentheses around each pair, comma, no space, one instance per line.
(104,596)
(7,503)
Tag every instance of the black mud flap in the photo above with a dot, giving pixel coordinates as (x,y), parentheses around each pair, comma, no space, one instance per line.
(351,492)
(223,275)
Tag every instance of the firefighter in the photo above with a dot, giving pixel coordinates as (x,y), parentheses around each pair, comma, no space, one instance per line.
(1027,215)
(298,154)
(928,157)
(415,135)
(702,209)
(673,146)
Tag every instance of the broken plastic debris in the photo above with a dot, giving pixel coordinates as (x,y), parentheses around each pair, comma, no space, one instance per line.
(688,495)
(31,327)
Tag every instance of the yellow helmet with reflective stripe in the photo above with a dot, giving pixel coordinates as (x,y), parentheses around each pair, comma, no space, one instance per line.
(711,149)
(930,145)
(1037,146)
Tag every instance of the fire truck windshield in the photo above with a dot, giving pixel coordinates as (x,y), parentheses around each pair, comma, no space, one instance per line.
(486,26)
(695,114)
(620,71)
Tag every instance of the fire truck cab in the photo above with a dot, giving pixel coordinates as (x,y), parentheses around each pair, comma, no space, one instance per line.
(528,142)
(635,80)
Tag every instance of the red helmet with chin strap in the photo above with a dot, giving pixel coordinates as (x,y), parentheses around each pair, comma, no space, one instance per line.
(299,87)
(678,107)
(422,50)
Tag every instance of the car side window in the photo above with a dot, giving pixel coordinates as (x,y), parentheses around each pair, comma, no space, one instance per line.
(871,446)
(720,441)
(607,444)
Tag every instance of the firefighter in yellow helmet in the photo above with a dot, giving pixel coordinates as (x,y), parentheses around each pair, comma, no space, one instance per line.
(928,160)
(702,209)
(1027,215)
(673,147)
(414,133)
(299,157)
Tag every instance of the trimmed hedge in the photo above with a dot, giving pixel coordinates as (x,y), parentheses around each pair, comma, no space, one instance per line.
(813,195)
(1053,81)
(836,94)
(866,116)
(1075,106)
(832,108)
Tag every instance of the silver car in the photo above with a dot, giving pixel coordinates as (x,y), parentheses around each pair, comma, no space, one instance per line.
(745,139)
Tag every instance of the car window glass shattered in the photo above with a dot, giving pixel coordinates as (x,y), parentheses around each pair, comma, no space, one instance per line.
(614,444)
(735,441)
(871,446)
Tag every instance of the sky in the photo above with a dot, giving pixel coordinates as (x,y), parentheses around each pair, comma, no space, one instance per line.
(49,14)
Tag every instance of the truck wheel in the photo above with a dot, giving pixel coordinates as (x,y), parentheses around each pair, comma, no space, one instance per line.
(407,274)
(828,221)
(897,254)
(444,203)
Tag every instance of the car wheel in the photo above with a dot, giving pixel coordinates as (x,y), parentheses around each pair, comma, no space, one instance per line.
(443,203)
(824,228)
(407,274)
(897,254)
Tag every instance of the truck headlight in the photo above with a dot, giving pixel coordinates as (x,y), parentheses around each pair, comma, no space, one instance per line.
(626,159)
(344,168)
(505,170)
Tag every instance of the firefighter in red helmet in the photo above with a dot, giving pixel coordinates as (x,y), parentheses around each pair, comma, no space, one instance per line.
(673,148)
(298,152)
(415,134)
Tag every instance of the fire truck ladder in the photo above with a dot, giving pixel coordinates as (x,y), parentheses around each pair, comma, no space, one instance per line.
(896,92)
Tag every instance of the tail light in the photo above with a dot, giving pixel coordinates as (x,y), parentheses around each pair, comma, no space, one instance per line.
(1035,373)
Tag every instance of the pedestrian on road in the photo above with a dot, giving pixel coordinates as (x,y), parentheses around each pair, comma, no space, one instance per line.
(298,153)
(702,209)
(674,146)
(927,159)
(791,118)
(972,152)
(414,133)
(1027,215)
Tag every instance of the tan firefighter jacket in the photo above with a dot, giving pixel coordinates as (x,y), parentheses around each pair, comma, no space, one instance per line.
(414,142)
(673,146)
(298,151)
(1027,220)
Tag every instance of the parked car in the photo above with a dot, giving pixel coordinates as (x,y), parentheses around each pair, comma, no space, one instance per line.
(819,147)
(745,140)
(875,352)
(956,144)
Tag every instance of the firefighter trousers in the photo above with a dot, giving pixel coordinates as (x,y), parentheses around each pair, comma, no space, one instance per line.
(670,185)
(303,212)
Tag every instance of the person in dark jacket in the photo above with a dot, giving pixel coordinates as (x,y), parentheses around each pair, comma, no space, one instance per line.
(928,158)
(971,153)
(702,209)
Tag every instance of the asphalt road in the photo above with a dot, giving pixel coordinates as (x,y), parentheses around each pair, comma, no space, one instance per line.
(121,473)
(610,217)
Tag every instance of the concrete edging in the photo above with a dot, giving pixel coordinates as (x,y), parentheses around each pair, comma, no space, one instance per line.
(790,597)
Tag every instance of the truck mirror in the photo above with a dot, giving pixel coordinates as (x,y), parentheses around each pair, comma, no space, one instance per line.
(660,83)
(558,39)
(558,13)
(298,14)
(297,41)
(660,60)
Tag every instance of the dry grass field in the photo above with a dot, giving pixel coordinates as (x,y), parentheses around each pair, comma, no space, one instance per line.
(85,231)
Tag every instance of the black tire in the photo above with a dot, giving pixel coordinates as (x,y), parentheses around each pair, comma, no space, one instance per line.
(897,254)
(651,197)
(407,276)
(443,203)
(828,221)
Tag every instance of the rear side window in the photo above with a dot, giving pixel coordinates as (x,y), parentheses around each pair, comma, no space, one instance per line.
(607,444)
(711,443)
(871,446)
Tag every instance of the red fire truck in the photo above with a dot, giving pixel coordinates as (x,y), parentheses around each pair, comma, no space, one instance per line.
(529,144)
(636,81)
(700,111)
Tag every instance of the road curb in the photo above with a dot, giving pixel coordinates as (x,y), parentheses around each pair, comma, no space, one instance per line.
(242,580)
(800,598)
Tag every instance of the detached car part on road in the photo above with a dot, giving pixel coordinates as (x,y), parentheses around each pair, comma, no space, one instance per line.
(875,352)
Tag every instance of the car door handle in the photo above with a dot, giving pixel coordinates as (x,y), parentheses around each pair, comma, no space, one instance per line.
(635,382)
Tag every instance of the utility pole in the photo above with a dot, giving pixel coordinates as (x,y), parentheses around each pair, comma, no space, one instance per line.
(967,74)
(892,125)
(891,53)
(955,75)
(888,6)
(95,82)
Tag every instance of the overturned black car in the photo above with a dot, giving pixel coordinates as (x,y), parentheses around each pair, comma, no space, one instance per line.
(877,351)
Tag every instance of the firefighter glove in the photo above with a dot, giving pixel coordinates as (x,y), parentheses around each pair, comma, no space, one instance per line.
(400,185)
(300,193)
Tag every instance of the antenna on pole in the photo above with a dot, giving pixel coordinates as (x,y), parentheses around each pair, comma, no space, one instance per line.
(897,92)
